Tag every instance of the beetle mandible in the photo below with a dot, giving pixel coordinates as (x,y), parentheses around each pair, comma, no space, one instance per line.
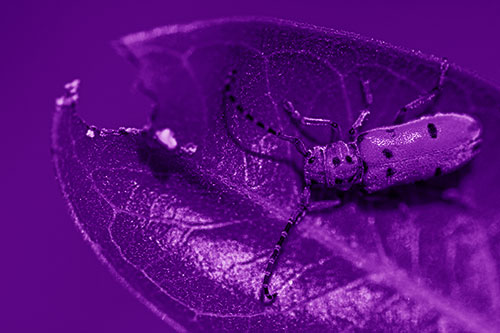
(376,159)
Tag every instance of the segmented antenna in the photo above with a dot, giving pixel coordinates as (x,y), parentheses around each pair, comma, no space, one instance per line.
(292,221)
(299,145)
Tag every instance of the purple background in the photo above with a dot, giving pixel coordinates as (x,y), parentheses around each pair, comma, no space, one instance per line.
(51,280)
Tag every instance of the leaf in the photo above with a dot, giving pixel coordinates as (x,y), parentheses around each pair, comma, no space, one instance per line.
(189,230)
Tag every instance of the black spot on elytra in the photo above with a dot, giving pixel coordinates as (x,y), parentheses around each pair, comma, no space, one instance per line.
(390,172)
(239,108)
(338,181)
(232,98)
(271,131)
(438,171)
(261,125)
(336,161)
(249,117)
(387,153)
(365,167)
(311,160)
(348,159)
(431,128)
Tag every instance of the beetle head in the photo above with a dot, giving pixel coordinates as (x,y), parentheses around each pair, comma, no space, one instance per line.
(335,165)
(343,166)
(314,167)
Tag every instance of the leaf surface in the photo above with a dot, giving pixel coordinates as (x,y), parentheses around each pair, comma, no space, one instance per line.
(189,230)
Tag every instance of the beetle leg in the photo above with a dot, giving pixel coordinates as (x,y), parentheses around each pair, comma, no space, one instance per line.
(324,204)
(359,122)
(298,143)
(428,97)
(457,197)
(308,121)
(368,100)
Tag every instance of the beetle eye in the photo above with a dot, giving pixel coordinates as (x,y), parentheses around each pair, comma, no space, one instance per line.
(311,160)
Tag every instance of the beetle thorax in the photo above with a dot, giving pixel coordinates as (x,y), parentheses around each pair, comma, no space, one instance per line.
(335,165)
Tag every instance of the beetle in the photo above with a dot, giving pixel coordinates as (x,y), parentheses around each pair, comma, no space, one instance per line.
(375,159)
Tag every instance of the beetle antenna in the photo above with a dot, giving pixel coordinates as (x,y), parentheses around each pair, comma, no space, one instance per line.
(299,145)
(296,217)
